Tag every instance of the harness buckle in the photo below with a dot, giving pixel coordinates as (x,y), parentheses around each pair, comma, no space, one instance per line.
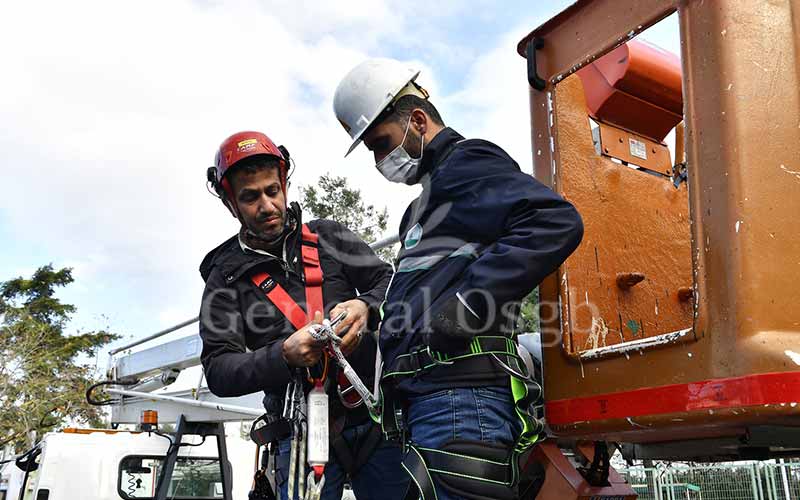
(416,365)
(435,359)
(400,423)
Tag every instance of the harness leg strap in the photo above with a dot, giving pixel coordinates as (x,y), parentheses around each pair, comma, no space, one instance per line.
(474,470)
(421,486)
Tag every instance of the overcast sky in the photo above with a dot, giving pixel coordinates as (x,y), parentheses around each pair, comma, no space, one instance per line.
(112,111)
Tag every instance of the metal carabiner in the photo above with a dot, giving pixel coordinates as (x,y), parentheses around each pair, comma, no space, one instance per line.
(343,397)
(511,371)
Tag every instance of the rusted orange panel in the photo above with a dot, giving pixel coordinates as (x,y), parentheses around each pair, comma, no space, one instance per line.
(634,149)
(636,86)
(742,92)
(588,29)
(743,134)
(634,222)
(645,71)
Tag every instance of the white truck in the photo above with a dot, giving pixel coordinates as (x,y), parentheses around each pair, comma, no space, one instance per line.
(100,464)
(106,464)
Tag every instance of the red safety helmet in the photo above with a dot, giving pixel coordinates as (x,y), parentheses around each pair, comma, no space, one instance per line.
(235,149)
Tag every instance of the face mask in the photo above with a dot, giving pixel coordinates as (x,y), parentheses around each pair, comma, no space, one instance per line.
(399,166)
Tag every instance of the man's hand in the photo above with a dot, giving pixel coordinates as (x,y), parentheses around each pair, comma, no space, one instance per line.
(300,349)
(352,324)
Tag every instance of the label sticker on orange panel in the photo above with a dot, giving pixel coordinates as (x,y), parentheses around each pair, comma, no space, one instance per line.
(638,148)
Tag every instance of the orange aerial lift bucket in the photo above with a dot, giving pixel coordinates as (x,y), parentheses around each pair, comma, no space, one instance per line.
(674,329)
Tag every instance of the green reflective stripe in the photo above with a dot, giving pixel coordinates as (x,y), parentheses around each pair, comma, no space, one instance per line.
(468,457)
(427,471)
(411,475)
(530,426)
(475,350)
(515,468)
(378,416)
(475,346)
(410,264)
(431,365)
(466,250)
(467,476)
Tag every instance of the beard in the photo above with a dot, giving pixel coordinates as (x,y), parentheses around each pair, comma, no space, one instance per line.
(263,238)
(413,144)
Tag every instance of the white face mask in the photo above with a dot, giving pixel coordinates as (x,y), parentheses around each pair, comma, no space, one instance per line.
(399,166)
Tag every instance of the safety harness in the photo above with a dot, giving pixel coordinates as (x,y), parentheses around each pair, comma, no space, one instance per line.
(349,460)
(312,272)
(470,469)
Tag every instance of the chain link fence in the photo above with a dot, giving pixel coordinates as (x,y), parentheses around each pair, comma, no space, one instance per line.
(734,481)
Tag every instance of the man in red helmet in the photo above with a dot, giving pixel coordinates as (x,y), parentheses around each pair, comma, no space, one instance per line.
(265,286)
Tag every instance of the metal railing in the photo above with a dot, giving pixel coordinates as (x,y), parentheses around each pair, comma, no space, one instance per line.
(732,481)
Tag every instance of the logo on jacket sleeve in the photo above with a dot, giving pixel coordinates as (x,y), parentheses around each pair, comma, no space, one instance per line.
(413,237)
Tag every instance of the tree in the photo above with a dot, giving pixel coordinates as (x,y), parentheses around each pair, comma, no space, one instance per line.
(333,199)
(42,381)
(528,321)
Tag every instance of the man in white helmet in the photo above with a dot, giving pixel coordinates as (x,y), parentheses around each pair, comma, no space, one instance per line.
(477,240)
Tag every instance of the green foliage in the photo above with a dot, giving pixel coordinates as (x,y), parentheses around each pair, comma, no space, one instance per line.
(195,478)
(333,199)
(528,321)
(42,382)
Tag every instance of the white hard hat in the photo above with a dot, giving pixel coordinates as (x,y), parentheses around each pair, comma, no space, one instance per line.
(367,90)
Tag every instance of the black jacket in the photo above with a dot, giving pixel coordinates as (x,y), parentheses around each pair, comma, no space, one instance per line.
(483,229)
(243,331)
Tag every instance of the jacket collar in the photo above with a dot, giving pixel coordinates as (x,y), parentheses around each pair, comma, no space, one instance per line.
(437,150)
(233,261)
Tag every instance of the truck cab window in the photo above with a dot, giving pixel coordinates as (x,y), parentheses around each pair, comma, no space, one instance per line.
(193,478)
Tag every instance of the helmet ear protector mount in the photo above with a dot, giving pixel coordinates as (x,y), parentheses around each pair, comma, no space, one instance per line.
(235,149)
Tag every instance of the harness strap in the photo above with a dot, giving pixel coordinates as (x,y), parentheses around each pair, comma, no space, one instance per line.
(414,464)
(278,296)
(392,419)
(312,272)
(423,358)
(313,284)
(468,469)
(526,393)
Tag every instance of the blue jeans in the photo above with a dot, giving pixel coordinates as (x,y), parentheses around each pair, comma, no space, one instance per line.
(381,477)
(480,413)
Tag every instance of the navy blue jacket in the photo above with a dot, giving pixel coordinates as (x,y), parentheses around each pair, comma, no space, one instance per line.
(481,228)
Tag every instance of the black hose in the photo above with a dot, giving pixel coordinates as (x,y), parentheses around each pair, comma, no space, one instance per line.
(105,402)
(20,457)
